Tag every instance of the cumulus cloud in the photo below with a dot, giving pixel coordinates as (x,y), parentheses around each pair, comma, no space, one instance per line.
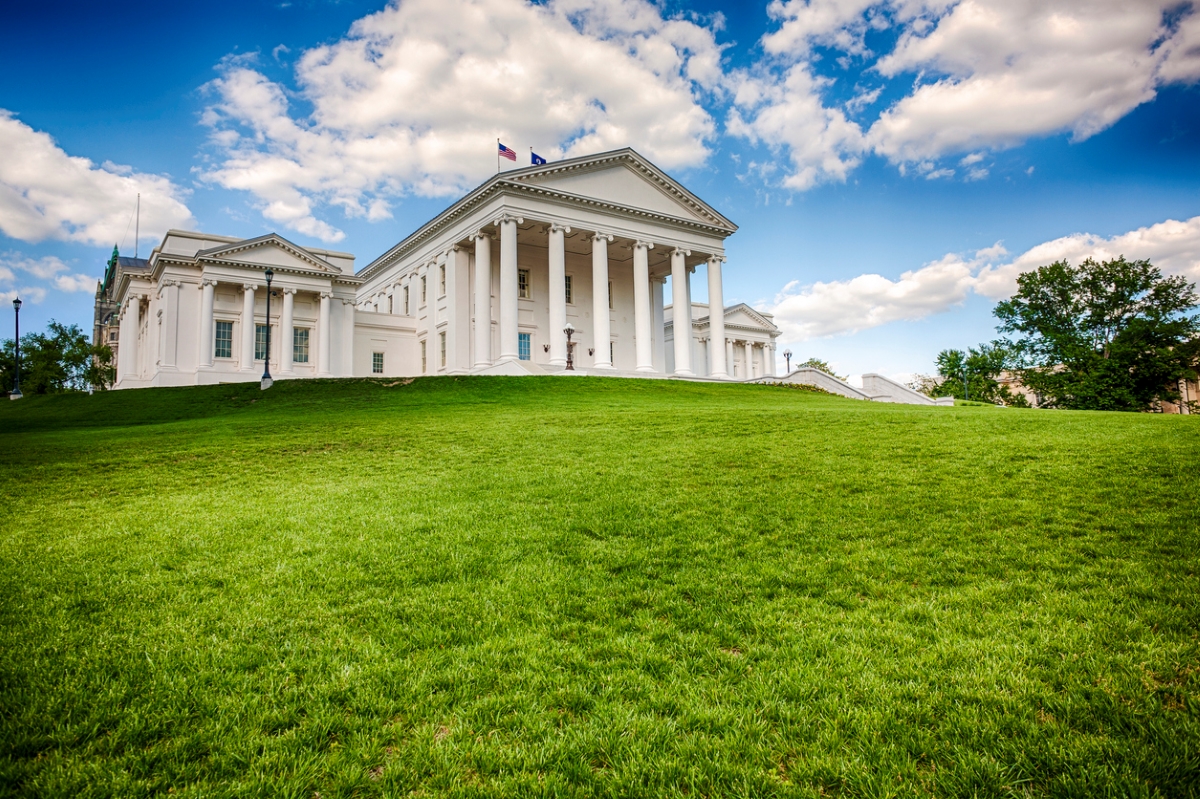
(47,194)
(984,74)
(48,269)
(407,103)
(847,306)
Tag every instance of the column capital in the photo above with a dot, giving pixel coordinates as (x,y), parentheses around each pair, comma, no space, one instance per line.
(719,259)
(681,251)
(249,287)
(209,281)
(648,245)
(170,282)
(482,234)
(597,236)
(325,295)
(347,301)
(453,248)
(500,220)
(554,227)
(288,291)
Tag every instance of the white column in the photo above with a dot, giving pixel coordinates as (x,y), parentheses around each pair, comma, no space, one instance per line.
(130,347)
(749,359)
(601,322)
(246,363)
(170,323)
(286,335)
(681,312)
(768,360)
(207,287)
(659,332)
(347,355)
(509,349)
(558,294)
(324,336)
(716,316)
(483,300)
(642,319)
(729,358)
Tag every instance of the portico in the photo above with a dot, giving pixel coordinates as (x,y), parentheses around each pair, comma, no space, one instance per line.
(590,241)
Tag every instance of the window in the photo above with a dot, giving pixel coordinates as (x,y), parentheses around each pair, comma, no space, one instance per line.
(442,345)
(391,303)
(376,363)
(568,283)
(523,283)
(612,358)
(423,289)
(224,340)
(523,346)
(422,357)
(300,344)
(112,335)
(260,342)
(406,300)
(442,280)
(610,300)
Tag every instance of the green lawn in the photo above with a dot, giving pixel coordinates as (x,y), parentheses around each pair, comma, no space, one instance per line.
(583,587)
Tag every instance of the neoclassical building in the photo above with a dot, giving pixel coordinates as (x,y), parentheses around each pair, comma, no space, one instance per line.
(487,286)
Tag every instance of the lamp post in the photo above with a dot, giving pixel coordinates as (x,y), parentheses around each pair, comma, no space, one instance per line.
(787,357)
(266,378)
(569,329)
(966,385)
(16,392)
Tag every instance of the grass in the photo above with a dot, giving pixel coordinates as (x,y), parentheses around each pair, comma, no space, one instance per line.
(553,587)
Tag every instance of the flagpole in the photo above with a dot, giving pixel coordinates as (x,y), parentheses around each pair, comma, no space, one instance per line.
(497,156)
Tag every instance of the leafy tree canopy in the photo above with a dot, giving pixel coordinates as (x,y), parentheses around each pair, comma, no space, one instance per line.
(61,359)
(975,375)
(1114,335)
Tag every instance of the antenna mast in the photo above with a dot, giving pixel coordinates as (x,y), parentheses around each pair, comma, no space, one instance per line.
(137,225)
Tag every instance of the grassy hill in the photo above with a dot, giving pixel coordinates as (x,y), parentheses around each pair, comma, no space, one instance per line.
(584,587)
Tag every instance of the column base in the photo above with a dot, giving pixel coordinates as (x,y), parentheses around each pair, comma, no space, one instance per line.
(606,366)
(647,369)
(720,376)
(684,373)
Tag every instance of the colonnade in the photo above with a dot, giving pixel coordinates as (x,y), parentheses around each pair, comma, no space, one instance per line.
(647,301)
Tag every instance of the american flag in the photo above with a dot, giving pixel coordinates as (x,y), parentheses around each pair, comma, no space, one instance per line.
(507,153)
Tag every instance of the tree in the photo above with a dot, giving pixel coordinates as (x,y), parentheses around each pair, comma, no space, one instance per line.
(821,366)
(974,374)
(1114,335)
(59,360)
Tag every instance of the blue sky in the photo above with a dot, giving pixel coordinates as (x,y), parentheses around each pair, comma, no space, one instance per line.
(892,165)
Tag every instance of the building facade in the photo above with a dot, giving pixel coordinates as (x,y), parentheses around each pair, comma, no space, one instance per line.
(487,286)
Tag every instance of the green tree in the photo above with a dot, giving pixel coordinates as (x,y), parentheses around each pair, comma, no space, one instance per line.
(975,374)
(819,365)
(1114,335)
(61,359)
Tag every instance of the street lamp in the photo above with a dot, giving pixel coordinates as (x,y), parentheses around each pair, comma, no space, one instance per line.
(569,329)
(266,378)
(787,356)
(16,392)
(966,385)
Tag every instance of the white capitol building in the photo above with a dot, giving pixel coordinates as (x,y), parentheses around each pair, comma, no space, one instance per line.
(489,286)
(486,287)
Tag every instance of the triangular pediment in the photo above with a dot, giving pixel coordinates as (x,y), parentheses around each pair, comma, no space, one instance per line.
(742,315)
(270,250)
(622,178)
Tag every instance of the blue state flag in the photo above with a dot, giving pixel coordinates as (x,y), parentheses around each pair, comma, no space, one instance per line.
(536,159)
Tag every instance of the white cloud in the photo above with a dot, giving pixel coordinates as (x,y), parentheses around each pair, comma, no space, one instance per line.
(47,194)
(848,306)
(414,97)
(31,294)
(71,283)
(45,267)
(989,74)
(822,144)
